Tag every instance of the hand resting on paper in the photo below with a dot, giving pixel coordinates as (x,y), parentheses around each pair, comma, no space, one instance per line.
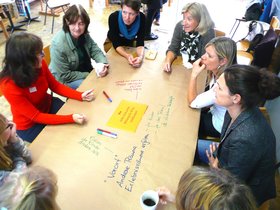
(88,95)
(135,61)
(79,118)
(101,69)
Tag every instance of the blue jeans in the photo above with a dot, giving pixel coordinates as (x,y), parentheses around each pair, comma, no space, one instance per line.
(75,84)
(31,133)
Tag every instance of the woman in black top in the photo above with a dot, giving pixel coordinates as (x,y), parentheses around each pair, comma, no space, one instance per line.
(127,28)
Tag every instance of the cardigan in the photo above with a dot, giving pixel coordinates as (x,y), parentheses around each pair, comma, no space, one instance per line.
(65,60)
(177,37)
(248,151)
(118,39)
(32,104)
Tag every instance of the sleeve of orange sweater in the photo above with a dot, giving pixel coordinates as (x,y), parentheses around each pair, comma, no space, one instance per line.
(25,113)
(58,87)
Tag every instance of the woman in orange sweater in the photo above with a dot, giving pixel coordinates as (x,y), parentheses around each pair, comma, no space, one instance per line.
(24,82)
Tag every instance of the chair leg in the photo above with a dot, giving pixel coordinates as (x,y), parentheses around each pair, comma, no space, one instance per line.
(46,14)
(52,23)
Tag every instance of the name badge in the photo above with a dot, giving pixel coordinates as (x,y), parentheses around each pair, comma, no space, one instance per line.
(32,89)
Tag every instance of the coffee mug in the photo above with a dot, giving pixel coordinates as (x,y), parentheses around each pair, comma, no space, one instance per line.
(185,58)
(99,68)
(149,200)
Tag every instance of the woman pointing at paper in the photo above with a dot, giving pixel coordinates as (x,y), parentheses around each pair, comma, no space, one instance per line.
(25,80)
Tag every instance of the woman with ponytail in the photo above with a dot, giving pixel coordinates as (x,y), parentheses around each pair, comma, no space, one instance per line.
(248,146)
(14,155)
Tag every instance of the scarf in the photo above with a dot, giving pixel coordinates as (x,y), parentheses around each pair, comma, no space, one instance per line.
(129,33)
(189,45)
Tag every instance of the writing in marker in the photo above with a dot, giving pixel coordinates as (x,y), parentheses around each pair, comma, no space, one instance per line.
(106,95)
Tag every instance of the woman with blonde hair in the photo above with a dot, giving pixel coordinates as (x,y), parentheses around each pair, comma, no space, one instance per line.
(209,189)
(190,34)
(220,53)
(14,155)
(34,189)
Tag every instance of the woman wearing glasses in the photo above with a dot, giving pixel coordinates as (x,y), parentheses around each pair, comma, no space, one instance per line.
(127,28)
(14,155)
(73,48)
(25,80)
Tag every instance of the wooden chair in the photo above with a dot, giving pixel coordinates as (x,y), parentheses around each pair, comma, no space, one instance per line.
(4,29)
(265,113)
(244,57)
(219,33)
(53,5)
(274,23)
(47,57)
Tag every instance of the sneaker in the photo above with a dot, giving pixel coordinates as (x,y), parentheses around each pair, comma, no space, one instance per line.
(151,37)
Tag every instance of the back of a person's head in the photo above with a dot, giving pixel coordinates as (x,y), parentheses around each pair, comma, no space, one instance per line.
(200,13)
(34,189)
(21,58)
(72,15)
(5,160)
(225,48)
(212,189)
(252,84)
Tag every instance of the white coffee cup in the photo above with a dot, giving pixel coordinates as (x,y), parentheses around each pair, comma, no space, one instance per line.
(185,58)
(99,68)
(149,200)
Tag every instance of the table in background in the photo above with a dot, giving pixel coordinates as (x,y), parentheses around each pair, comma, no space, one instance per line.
(97,172)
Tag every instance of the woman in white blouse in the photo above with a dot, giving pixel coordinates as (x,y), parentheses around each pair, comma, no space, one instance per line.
(220,53)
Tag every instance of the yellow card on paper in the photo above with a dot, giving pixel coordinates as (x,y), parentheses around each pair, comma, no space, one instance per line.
(151,54)
(127,116)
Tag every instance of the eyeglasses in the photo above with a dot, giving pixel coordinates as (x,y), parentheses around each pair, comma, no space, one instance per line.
(129,13)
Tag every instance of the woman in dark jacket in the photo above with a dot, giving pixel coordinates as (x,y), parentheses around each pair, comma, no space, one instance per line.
(248,146)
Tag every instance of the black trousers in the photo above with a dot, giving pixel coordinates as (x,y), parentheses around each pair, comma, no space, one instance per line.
(149,20)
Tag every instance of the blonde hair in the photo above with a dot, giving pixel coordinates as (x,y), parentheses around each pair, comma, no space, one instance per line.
(212,189)
(34,189)
(224,48)
(5,160)
(200,13)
